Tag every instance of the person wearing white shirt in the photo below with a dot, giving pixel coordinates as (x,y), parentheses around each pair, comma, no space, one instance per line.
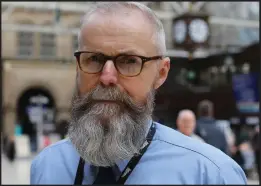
(186,122)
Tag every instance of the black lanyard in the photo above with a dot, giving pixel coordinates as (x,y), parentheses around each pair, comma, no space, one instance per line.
(128,169)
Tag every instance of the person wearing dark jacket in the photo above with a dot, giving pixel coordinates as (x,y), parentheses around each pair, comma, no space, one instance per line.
(241,142)
(256,148)
(10,149)
(207,129)
(30,130)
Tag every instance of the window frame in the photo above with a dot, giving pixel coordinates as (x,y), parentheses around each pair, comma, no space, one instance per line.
(48,44)
(24,44)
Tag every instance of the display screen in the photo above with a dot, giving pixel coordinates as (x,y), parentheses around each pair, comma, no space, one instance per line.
(246,92)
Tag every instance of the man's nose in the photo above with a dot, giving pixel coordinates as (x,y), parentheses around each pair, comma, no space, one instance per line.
(109,74)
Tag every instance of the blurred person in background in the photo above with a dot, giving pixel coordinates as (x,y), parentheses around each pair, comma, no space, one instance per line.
(186,123)
(207,128)
(30,130)
(46,139)
(231,140)
(18,130)
(229,134)
(5,142)
(10,148)
(256,147)
(243,153)
(120,65)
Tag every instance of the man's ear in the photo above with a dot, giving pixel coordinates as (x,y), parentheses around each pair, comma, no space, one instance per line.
(163,68)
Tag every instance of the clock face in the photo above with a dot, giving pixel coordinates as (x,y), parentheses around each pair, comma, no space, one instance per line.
(198,30)
(179,30)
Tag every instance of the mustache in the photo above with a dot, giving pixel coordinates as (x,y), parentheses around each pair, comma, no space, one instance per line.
(100,93)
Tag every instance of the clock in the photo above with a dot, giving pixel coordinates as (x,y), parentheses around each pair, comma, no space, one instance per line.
(180,31)
(191,31)
(198,30)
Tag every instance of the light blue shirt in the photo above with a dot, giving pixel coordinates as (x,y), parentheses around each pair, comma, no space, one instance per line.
(172,158)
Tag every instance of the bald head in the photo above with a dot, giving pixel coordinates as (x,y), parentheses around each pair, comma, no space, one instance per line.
(122,10)
(186,122)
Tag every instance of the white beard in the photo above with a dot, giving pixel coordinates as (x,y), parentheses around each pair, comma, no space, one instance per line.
(106,133)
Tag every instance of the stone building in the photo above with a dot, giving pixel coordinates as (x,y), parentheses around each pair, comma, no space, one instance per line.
(38,41)
(37,65)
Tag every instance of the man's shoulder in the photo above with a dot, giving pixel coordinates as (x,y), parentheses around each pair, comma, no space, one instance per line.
(59,145)
(181,141)
(59,159)
(207,155)
(55,151)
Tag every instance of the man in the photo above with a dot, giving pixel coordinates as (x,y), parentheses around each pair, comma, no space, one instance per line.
(207,128)
(120,65)
(11,150)
(186,122)
(30,129)
(256,148)
(229,135)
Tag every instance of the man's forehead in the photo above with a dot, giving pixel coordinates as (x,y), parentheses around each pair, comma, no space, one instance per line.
(127,32)
(123,12)
(186,115)
(117,22)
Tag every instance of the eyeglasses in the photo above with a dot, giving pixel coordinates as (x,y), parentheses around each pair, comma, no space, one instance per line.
(126,65)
